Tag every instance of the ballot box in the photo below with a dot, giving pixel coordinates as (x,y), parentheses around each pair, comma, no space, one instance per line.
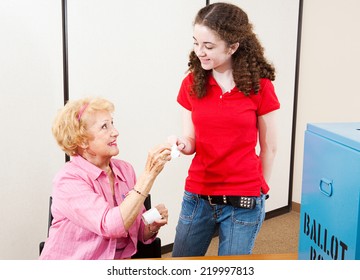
(329,214)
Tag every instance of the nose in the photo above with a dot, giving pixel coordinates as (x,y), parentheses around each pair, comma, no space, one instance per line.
(200,51)
(114,132)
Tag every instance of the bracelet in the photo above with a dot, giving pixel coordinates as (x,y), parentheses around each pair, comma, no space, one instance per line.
(140,193)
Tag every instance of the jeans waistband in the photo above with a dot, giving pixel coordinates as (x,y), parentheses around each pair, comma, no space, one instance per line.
(247,202)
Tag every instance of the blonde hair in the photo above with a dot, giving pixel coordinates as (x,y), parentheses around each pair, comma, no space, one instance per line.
(70,124)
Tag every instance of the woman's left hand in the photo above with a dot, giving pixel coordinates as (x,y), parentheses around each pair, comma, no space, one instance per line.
(156,225)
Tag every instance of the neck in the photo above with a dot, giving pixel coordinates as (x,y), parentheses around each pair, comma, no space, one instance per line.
(224,79)
(103,164)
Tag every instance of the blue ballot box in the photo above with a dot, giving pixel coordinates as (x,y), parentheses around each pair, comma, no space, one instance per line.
(330,208)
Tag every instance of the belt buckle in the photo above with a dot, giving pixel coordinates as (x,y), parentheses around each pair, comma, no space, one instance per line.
(213,204)
(209,199)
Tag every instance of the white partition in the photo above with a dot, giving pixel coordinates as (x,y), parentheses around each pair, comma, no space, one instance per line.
(135,53)
(276,24)
(31,92)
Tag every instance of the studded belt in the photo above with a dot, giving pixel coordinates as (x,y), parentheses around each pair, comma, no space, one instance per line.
(247,202)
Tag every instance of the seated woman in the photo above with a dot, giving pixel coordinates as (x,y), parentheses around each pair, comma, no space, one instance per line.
(97,202)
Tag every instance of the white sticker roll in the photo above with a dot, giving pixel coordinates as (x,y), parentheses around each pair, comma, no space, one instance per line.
(175,151)
(150,216)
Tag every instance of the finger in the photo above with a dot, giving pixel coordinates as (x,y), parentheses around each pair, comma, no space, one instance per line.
(160,223)
(165,155)
(160,207)
(161,148)
(151,158)
(181,146)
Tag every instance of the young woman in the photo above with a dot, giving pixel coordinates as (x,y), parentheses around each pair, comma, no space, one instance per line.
(96,201)
(229,107)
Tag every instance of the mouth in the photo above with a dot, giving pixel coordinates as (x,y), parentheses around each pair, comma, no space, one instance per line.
(205,61)
(113,143)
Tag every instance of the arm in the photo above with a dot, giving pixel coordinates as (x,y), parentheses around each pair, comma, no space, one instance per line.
(268,142)
(133,203)
(186,143)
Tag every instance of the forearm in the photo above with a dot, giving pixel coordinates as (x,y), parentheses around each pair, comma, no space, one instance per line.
(132,205)
(267,161)
(188,138)
(268,142)
(134,201)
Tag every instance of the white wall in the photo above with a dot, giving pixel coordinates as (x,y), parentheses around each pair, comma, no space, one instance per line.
(329,70)
(31,92)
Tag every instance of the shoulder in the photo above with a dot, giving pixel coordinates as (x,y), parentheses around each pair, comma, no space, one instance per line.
(266,84)
(70,169)
(184,97)
(267,99)
(188,79)
(266,88)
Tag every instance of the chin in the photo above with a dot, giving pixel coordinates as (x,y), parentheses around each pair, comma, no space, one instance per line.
(114,153)
(206,67)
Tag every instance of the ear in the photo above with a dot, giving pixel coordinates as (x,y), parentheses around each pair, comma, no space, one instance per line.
(233,48)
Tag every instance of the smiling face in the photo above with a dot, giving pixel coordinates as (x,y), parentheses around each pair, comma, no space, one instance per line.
(101,145)
(212,52)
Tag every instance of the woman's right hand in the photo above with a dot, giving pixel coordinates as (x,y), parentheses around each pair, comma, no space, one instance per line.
(133,203)
(157,158)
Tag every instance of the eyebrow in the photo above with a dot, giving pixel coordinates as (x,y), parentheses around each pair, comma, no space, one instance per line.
(105,121)
(205,42)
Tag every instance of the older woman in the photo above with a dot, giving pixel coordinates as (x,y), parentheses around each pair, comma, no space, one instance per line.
(97,201)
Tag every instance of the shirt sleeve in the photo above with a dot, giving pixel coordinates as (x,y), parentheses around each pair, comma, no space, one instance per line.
(183,97)
(268,100)
(75,199)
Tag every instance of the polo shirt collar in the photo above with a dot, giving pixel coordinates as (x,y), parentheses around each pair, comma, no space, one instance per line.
(212,81)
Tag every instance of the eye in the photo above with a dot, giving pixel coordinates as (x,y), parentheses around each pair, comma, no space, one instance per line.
(209,46)
(104,126)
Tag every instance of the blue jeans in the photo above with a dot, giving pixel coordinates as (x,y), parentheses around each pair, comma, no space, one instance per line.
(198,221)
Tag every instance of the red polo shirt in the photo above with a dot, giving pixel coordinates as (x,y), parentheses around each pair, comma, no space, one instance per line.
(226,135)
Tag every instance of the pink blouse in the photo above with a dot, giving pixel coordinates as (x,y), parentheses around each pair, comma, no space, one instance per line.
(87,224)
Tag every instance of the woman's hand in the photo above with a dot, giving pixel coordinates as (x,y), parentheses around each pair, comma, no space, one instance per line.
(157,158)
(133,203)
(156,225)
(174,140)
(186,143)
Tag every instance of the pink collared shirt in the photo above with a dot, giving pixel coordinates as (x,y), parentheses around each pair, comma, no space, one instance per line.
(87,224)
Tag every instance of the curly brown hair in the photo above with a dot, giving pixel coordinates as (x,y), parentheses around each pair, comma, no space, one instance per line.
(231,24)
